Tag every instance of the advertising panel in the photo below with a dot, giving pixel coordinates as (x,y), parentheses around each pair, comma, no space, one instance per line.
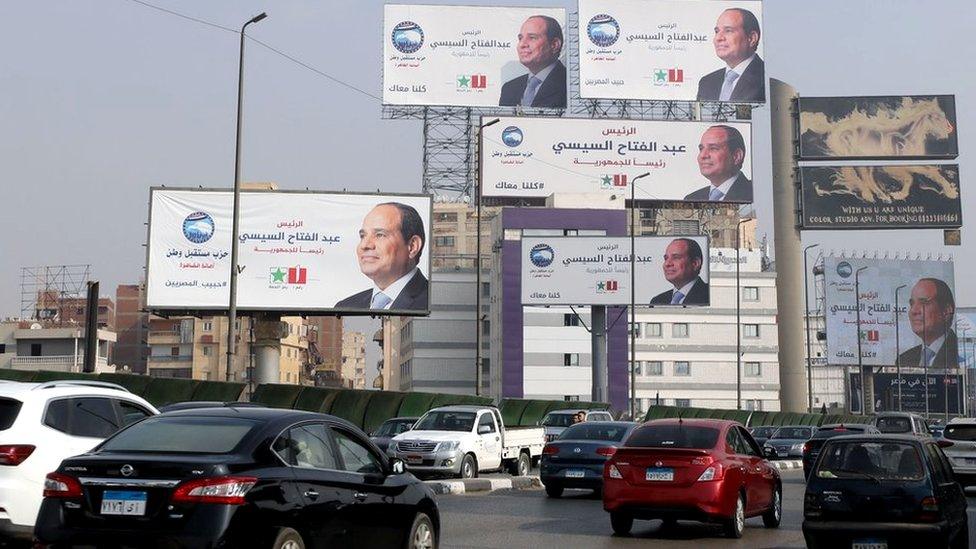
(474,56)
(297,252)
(536,157)
(881,197)
(925,312)
(877,128)
(672,50)
(595,270)
(912,392)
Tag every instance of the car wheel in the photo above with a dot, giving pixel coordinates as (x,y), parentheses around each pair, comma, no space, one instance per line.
(469,467)
(554,491)
(288,539)
(422,535)
(522,465)
(772,517)
(735,524)
(621,523)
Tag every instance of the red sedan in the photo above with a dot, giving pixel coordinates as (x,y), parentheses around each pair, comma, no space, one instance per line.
(707,470)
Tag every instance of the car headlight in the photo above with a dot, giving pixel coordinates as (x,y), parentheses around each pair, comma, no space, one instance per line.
(448,446)
(798,447)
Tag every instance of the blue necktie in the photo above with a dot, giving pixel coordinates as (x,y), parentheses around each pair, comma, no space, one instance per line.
(530,90)
(677,297)
(715,195)
(380,301)
(727,86)
(927,356)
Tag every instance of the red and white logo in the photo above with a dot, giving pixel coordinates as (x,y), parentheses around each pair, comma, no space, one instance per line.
(297,275)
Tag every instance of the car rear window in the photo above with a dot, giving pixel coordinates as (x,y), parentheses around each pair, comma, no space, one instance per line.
(673,436)
(762,431)
(9,408)
(558,420)
(792,432)
(589,431)
(878,460)
(203,435)
(894,424)
(952,432)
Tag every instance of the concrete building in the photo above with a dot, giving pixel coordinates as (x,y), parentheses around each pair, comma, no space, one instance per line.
(132,327)
(56,309)
(354,360)
(32,345)
(325,349)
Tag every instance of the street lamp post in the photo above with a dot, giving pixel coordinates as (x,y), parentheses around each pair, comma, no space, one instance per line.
(860,360)
(477,260)
(633,295)
(898,344)
(806,317)
(738,317)
(232,307)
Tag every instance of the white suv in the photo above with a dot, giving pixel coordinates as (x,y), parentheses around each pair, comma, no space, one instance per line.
(43,423)
(959,444)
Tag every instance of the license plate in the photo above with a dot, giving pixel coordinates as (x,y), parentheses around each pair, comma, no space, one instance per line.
(123,503)
(575,473)
(657,474)
(783,453)
(869,544)
(970,461)
(415,459)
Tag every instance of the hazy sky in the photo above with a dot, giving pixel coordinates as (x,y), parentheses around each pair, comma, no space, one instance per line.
(102,99)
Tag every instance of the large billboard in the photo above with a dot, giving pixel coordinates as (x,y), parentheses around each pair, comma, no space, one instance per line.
(474,56)
(913,392)
(301,252)
(914,127)
(595,270)
(672,50)
(693,161)
(881,197)
(925,312)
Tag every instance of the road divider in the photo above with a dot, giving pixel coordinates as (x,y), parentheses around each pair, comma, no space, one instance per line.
(482,485)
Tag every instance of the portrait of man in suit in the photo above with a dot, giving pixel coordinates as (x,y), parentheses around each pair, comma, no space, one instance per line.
(391,242)
(540,42)
(931,309)
(721,152)
(743,79)
(682,266)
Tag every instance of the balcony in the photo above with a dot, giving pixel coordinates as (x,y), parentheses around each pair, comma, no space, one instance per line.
(164,338)
(57,363)
(170,358)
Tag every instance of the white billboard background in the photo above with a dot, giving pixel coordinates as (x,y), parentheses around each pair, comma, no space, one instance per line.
(536,157)
(296,251)
(448,44)
(877,285)
(626,44)
(595,270)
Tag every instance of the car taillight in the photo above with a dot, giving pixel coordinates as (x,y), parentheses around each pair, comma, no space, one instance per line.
(702,460)
(613,472)
(15,454)
(943,443)
(806,447)
(550,450)
(226,490)
(606,451)
(57,485)
(715,472)
(930,510)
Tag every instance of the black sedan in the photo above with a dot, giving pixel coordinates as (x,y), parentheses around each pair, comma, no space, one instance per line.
(237,477)
(575,459)
(811,449)
(391,428)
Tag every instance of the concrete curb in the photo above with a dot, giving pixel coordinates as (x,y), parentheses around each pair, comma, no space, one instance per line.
(787,464)
(470,485)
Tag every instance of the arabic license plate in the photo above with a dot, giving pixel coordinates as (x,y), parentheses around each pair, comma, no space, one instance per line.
(123,503)
(416,460)
(659,474)
(575,473)
(869,544)
(783,453)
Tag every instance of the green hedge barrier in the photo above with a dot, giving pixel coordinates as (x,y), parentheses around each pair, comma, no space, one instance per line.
(382,407)
(276,395)
(313,399)
(351,405)
(415,404)
(533,413)
(222,391)
(166,390)
(512,409)
(135,383)
(45,375)
(17,375)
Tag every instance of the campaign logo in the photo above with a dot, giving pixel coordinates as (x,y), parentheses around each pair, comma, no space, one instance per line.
(603,30)
(844,269)
(615,180)
(289,275)
(198,227)
(407,37)
(664,77)
(872,335)
(512,136)
(472,81)
(607,287)
(542,255)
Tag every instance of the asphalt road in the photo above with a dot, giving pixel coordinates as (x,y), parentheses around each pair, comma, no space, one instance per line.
(527,518)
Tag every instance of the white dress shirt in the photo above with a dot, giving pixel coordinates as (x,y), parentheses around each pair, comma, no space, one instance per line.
(740,69)
(393,290)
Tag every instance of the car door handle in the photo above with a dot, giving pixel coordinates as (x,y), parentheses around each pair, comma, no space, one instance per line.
(360,496)
(497,439)
(311,494)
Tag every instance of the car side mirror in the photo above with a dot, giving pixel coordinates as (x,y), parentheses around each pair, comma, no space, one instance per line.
(397,466)
(484,429)
(770,453)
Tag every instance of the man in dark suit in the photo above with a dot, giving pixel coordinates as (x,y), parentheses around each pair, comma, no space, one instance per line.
(540,41)
(683,261)
(930,311)
(721,152)
(743,79)
(391,241)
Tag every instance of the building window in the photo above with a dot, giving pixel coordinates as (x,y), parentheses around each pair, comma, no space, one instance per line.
(753,369)
(443,241)
(637,329)
(174,351)
(750,293)
(750,330)
(571,398)
(571,359)
(445,216)
(679,330)
(688,227)
(485,289)
(35,349)
(3,348)
(570,319)
(570,232)
(653,368)
(682,368)
(682,402)
(208,326)
(652,329)
(207,350)
(637,369)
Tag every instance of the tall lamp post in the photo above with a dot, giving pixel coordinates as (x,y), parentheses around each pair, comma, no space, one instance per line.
(898,343)
(738,317)
(477,260)
(232,307)
(806,317)
(633,295)
(860,360)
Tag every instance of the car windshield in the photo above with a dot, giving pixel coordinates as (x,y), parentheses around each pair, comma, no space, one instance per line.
(9,408)
(446,421)
(673,436)
(394,428)
(887,460)
(792,432)
(182,434)
(762,431)
(960,432)
(558,420)
(894,424)
(594,431)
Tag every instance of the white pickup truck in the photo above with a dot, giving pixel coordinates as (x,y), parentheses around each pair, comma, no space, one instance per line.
(465,440)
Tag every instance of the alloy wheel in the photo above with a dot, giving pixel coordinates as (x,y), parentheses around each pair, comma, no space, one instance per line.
(423,538)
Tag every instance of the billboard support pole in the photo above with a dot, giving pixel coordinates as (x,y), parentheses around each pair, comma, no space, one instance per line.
(598,319)
(738,317)
(633,295)
(945,368)
(789,264)
(898,345)
(477,260)
(866,405)
(806,318)
(268,333)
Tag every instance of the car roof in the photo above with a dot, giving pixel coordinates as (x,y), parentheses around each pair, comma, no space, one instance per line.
(403,418)
(462,408)
(613,423)
(694,422)
(24,391)
(881,437)
(897,414)
(269,416)
(962,421)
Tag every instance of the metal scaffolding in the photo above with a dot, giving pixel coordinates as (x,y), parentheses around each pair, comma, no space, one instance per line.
(44,289)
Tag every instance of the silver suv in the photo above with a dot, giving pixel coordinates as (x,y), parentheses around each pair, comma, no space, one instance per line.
(901,423)
(959,444)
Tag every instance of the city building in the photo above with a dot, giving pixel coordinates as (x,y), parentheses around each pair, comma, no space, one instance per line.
(35,345)
(132,327)
(56,308)
(325,350)
(354,360)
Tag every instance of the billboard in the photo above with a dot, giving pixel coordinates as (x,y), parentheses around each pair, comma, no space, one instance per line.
(881,197)
(887,127)
(912,392)
(535,157)
(671,50)
(299,252)
(472,56)
(595,270)
(926,309)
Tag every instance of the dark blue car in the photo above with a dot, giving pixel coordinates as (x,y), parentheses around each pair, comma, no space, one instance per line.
(576,458)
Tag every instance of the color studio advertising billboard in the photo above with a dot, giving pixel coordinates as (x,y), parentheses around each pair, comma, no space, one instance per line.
(681,50)
(298,252)
(536,157)
(595,270)
(473,56)
(925,312)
